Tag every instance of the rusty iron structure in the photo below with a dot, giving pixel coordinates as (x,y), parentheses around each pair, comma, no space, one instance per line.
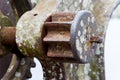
(72,37)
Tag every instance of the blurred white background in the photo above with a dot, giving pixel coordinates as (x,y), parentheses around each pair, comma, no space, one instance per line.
(37,73)
(112,50)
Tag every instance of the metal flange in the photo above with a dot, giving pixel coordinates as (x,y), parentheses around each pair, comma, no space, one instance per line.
(83,29)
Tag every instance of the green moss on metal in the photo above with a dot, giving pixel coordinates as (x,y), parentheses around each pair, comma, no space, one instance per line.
(94,70)
(5,21)
(29,51)
(97,70)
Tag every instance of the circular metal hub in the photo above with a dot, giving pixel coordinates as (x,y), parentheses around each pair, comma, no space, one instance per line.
(82,28)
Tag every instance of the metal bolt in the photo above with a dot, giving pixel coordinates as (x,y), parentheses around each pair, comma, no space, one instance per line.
(95,39)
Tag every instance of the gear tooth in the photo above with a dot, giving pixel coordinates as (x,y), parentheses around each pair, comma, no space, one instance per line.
(33,64)
(28,74)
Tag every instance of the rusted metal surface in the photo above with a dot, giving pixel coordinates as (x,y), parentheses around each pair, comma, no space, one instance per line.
(59,50)
(63,16)
(8,35)
(57,38)
(60,25)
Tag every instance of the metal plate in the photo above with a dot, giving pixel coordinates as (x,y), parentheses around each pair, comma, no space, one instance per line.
(82,28)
